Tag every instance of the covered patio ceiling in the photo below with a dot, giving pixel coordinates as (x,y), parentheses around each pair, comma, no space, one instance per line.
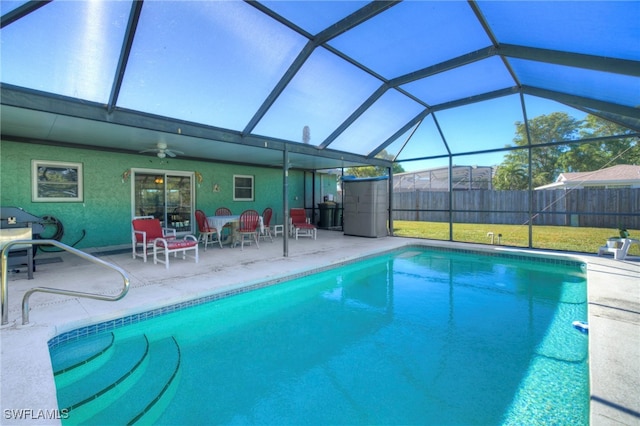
(335,83)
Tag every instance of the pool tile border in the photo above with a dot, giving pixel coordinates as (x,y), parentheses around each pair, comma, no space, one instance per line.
(111,325)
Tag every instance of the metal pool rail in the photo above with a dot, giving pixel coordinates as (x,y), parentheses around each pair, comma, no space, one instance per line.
(25,299)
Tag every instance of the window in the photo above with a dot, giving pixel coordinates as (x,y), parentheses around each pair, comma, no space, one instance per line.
(53,181)
(242,188)
(165,195)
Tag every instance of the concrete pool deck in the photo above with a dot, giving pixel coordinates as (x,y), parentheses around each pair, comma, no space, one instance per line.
(27,388)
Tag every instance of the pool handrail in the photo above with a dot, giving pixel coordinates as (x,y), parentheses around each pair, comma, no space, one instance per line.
(25,300)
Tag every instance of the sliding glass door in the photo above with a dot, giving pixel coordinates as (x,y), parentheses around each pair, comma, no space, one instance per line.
(165,195)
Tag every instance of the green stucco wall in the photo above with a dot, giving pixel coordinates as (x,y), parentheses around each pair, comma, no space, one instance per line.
(105,214)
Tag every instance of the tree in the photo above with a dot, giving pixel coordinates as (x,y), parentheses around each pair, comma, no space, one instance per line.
(543,130)
(374,171)
(550,157)
(511,176)
(607,153)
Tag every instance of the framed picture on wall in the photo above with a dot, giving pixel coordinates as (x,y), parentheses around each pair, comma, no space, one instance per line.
(55,181)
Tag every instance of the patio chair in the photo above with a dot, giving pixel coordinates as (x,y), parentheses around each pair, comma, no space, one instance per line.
(148,232)
(300,225)
(144,232)
(248,227)
(162,246)
(224,211)
(619,252)
(266,224)
(206,233)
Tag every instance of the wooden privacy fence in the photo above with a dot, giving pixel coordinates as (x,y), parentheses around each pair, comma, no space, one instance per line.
(591,207)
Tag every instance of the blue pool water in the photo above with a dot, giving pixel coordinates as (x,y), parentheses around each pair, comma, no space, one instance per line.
(413,337)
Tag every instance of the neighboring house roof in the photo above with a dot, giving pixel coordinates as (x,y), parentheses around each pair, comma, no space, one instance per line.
(615,176)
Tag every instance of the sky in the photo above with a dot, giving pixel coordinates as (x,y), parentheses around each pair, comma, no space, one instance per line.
(215,63)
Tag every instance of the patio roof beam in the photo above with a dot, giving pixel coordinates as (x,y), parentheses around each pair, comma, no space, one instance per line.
(494,40)
(21,11)
(125,51)
(443,66)
(335,30)
(279,88)
(354,116)
(473,99)
(356,18)
(577,60)
(273,15)
(568,99)
(418,118)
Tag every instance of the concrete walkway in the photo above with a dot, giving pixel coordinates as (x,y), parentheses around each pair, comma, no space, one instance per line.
(27,380)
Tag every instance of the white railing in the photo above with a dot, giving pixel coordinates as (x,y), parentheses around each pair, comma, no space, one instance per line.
(25,299)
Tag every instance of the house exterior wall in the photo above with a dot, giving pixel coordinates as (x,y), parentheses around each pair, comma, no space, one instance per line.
(105,213)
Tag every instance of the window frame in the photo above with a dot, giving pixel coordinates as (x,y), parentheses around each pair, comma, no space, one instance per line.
(36,184)
(237,187)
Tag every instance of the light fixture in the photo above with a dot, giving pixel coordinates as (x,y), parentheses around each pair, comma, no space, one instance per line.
(159,180)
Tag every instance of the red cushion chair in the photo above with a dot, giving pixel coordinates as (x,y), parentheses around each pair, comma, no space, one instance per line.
(145,230)
(163,246)
(300,226)
(148,232)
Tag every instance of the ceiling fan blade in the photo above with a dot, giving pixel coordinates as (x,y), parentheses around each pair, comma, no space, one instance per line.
(169,153)
(148,150)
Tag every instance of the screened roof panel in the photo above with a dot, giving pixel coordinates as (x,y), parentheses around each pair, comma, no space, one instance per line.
(487,125)
(378,123)
(615,88)
(308,99)
(601,28)
(7,6)
(393,149)
(537,106)
(208,62)
(425,142)
(72,48)
(413,35)
(243,75)
(314,16)
(462,82)
(629,122)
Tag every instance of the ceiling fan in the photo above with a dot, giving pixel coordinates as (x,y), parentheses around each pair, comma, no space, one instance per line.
(162,151)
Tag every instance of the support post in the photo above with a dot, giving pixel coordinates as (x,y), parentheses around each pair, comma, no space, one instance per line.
(285,200)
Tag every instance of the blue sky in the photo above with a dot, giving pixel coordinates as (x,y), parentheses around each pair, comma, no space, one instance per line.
(216,62)
(488,125)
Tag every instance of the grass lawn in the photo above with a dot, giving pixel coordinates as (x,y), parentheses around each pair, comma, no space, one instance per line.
(563,238)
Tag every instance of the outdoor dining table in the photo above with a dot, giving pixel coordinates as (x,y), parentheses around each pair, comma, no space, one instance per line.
(219,222)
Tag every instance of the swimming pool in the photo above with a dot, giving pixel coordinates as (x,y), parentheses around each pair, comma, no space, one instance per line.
(414,336)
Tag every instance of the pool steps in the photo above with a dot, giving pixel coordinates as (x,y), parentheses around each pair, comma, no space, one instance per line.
(77,354)
(96,378)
